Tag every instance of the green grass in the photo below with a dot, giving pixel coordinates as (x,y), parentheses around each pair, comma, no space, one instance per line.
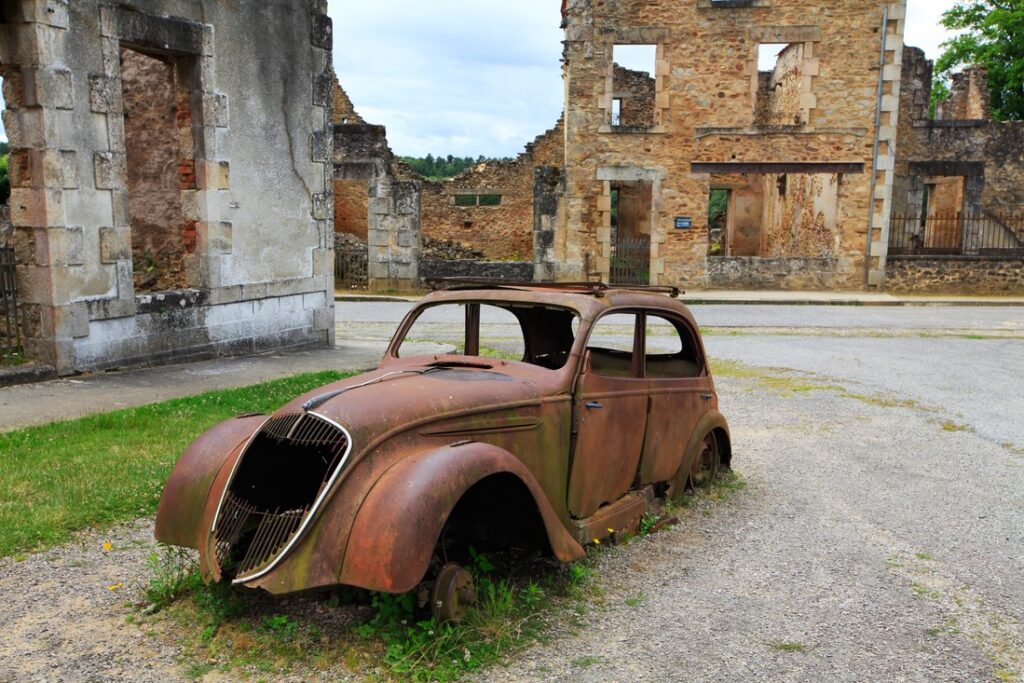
(66,476)
(787,646)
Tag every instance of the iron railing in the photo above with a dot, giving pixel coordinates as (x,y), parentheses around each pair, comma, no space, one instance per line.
(10,316)
(958,234)
(631,261)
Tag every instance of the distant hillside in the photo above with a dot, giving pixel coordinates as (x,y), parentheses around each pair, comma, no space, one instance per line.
(443,167)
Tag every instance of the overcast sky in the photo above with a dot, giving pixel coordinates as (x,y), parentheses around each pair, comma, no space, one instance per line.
(469,78)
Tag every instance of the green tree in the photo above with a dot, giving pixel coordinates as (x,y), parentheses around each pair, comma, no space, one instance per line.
(991,35)
(5,185)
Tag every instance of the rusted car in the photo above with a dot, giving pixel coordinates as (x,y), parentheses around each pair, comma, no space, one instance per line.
(502,416)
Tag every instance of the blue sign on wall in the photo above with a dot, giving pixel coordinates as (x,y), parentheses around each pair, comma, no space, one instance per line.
(684,222)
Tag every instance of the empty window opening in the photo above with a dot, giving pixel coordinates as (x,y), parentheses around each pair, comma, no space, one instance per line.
(477,200)
(611,345)
(670,349)
(633,85)
(774,215)
(779,84)
(161,166)
(718,221)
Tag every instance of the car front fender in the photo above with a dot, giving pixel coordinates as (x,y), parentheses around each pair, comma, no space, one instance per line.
(179,519)
(398,524)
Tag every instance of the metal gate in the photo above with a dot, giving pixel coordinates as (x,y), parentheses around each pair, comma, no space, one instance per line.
(10,318)
(631,261)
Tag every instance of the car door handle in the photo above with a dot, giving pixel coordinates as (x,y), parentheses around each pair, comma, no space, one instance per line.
(705,397)
(594,404)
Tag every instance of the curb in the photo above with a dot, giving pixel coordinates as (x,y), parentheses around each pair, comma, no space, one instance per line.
(26,374)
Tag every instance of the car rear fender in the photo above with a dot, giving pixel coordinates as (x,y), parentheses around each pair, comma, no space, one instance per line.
(712,421)
(398,525)
(179,519)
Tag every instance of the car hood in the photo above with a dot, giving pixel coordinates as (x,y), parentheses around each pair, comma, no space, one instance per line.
(376,404)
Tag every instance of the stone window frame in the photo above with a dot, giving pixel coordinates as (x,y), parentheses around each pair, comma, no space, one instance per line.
(184,39)
(808,36)
(644,35)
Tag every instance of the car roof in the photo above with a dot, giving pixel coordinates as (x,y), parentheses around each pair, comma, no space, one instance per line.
(589,299)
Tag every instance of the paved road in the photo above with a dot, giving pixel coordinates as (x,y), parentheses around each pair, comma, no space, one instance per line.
(995,319)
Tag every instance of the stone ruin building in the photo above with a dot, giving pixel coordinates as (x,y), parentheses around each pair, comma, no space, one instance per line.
(170,170)
(705,170)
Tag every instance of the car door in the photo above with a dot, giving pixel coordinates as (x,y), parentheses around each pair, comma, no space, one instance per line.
(609,415)
(680,393)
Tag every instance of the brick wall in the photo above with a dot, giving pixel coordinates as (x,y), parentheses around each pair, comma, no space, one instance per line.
(500,232)
(955,274)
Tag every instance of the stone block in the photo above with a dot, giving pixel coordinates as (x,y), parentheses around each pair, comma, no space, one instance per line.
(110,170)
(115,245)
(215,110)
(37,208)
(48,87)
(323,262)
(322,32)
(220,237)
(121,215)
(321,146)
(105,94)
(380,205)
(321,205)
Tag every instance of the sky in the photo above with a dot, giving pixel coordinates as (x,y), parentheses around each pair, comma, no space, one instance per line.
(472,78)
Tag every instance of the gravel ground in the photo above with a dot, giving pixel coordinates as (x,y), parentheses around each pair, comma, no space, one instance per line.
(870,544)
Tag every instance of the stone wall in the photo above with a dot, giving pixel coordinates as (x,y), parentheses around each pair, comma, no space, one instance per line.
(635,90)
(504,231)
(706,93)
(255,203)
(955,274)
(515,271)
(749,272)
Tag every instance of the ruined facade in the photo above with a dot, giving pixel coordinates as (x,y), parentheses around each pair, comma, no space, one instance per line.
(489,207)
(793,148)
(379,200)
(170,171)
(958,195)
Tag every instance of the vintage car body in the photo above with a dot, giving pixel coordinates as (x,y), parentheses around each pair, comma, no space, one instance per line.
(356,482)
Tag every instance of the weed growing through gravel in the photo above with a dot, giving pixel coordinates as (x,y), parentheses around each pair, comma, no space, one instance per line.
(788,646)
(174,573)
(586,661)
(59,478)
(244,633)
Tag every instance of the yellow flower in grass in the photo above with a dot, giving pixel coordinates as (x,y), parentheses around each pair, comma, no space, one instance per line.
(107,546)
(116,586)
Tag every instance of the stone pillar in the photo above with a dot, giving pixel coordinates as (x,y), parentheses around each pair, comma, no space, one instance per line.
(548,189)
(393,234)
(892,74)
(39,93)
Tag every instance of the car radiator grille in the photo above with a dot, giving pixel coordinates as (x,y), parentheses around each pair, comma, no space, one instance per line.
(281,478)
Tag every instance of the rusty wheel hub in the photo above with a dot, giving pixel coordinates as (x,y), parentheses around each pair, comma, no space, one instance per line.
(705,468)
(453,593)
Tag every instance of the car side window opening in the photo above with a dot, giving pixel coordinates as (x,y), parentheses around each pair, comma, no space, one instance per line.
(670,350)
(533,334)
(611,345)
